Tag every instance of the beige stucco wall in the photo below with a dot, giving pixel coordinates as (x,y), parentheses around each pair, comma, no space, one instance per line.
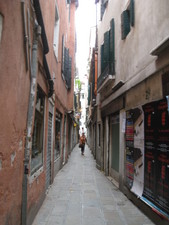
(133,62)
(147,91)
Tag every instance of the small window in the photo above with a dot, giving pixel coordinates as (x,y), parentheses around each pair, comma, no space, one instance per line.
(56,33)
(38,131)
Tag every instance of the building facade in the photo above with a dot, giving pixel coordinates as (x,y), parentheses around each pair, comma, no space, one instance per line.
(132,101)
(38,128)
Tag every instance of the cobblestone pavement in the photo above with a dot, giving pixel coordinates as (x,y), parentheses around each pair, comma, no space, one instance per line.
(82,195)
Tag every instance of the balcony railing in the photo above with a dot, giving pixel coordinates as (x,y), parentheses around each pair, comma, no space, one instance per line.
(102,77)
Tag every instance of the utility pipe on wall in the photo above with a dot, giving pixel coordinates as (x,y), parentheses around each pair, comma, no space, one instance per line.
(25,32)
(32,99)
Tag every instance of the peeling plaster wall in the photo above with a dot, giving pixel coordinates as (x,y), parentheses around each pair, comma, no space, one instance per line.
(14,86)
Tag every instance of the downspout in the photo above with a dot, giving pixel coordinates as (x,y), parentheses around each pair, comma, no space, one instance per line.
(28,142)
(25,32)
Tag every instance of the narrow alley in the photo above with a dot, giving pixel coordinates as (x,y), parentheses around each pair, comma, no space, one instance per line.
(82,195)
(84,71)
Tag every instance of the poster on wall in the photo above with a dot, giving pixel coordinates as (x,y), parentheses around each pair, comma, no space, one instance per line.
(162,197)
(150,137)
(138,120)
(129,150)
(156,180)
(135,150)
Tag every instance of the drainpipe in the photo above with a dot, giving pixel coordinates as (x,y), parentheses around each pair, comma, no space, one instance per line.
(28,144)
(25,32)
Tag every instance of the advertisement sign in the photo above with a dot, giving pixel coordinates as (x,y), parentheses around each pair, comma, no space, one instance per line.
(150,125)
(162,197)
(156,180)
(135,150)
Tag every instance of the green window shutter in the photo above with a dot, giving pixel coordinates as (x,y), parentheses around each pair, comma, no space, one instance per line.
(66,63)
(125,23)
(63,52)
(89,94)
(112,48)
(69,73)
(106,49)
(102,9)
(132,13)
(102,58)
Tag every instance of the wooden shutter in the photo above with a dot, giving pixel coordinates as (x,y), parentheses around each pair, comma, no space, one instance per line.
(106,49)
(63,52)
(66,63)
(112,48)
(132,13)
(125,23)
(69,73)
(103,7)
(102,58)
(89,94)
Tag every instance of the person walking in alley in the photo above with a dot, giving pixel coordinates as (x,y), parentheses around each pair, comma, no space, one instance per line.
(82,142)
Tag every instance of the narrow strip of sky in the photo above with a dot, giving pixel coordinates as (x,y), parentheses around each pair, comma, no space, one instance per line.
(85,21)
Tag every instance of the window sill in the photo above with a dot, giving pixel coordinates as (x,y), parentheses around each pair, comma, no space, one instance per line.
(34,176)
(109,79)
(160,47)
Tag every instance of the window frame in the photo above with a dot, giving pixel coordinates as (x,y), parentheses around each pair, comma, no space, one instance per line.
(34,168)
(58,119)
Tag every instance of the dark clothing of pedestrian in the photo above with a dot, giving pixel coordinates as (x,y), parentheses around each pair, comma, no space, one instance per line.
(82,143)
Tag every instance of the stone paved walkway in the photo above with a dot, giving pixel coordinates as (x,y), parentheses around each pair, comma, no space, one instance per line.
(82,195)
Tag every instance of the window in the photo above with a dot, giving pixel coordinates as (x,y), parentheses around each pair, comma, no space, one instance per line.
(127,20)
(38,131)
(56,32)
(58,124)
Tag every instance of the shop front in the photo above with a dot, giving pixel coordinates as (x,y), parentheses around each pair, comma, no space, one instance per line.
(147,154)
